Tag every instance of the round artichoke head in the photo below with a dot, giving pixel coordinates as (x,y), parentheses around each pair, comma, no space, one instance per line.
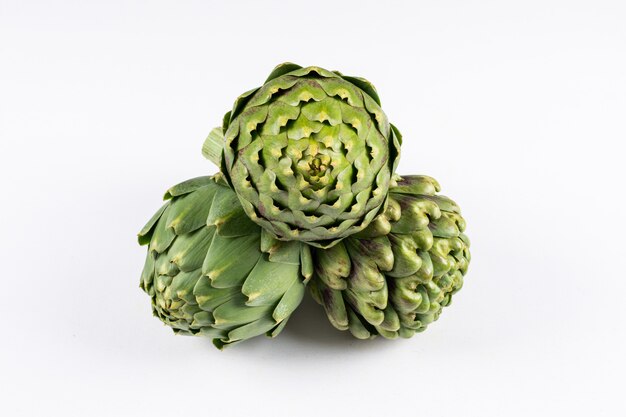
(310,154)
(212,272)
(395,277)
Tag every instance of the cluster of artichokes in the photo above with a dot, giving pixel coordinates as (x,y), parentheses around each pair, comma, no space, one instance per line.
(306,197)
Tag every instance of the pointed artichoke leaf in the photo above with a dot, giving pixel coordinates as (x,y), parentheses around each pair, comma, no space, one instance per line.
(223,342)
(188,186)
(209,297)
(406,259)
(439,255)
(423,239)
(306,262)
(163,236)
(333,303)
(211,332)
(201,319)
(282,69)
(404,295)
(163,266)
(228,216)
(235,313)
(446,226)
(332,266)
(229,260)
(255,328)
(267,241)
(445,203)
(416,185)
(189,212)
(278,329)
(417,213)
(357,328)
(189,250)
(213,146)
(426,271)
(268,281)
(335,260)
(285,252)
(377,113)
(240,103)
(147,274)
(183,284)
(161,282)
(145,234)
(380,226)
(376,251)
(386,333)
(369,304)
(391,323)
(329,279)
(289,302)
(365,275)
(225,122)
(188,310)
(394,147)
(364,85)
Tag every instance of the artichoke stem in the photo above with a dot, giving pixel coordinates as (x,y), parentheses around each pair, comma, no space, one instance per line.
(213,146)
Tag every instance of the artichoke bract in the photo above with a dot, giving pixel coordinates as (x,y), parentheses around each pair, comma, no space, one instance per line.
(394,278)
(310,154)
(210,271)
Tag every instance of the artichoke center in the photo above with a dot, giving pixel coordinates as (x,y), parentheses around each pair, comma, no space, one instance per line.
(316,167)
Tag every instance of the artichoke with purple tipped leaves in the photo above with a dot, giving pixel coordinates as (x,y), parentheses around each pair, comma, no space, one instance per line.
(395,277)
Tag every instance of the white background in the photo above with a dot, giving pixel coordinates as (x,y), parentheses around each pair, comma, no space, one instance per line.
(518,108)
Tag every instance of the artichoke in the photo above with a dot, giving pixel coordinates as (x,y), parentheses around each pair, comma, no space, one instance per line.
(395,277)
(310,154)
(210,271)
(306,195)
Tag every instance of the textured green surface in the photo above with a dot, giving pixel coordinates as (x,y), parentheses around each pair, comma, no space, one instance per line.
(210,271)
(310,154)
(307,191)
(395,277)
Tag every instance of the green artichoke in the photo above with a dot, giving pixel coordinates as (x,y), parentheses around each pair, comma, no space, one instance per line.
(307,192)
(211,271)
(310,154)
(395,277)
